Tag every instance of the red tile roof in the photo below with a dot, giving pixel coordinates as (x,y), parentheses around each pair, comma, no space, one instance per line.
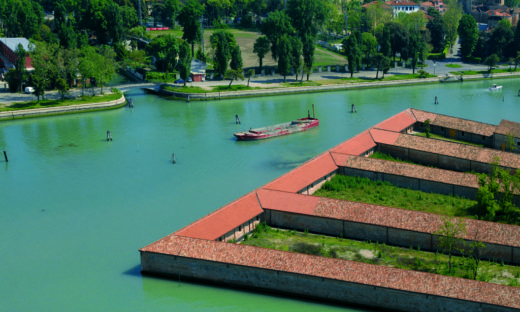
(337,269)
(410,220)
(304,175)
(398,2)
(505,127)
(383,136)
(455,123)
(339,159)
(398,122)
(224,219)
(412,171)
(457,150)
(356,145)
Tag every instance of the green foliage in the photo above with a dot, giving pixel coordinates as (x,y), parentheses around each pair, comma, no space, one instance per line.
(171,7)
(491,61)
(451,234)
(427,128)
(452,17)
(21,18)
(415,48)
(384,42)
(261,47)
(184,62)
(236,58)
(19,65)
(468,32)
(437,29)
(296,55)
(154,76)
(353,53)
(189,20)
(274,27)
(223,44)
(512,3)
(500,39)
(284,56)
(398,37)
(473,59)
(382,63)
(234,74)
(114,23)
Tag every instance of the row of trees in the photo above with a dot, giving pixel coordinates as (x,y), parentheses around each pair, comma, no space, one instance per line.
(56,67)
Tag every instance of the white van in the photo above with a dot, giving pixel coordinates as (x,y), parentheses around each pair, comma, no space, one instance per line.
(29,90)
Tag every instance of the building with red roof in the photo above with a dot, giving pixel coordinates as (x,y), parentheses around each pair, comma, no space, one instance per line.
(399,6)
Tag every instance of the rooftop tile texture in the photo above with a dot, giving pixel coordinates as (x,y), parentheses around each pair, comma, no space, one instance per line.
(488,232)
(356,145)
(225,219)
(412,171)
(455,123)
(336,269)
(306,174)
(384,136)
(398,122)
(506,127)
(457,150)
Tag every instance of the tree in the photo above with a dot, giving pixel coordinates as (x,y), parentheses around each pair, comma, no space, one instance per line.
(415,48)
(353,53)
(250,73)
(437,29)
(223,43)
(368,47)
(308,44)
(501,39)
(236,59)
(170,12)
(468,33)
(451,233)
(512,3)
(491,61)
(284,56)
(189,19)
(382,64)
(452,17)
(184,61)
(296,55)
(274,27)
(165,50)
(129,17)
(115,20)
(517,59)
(19,65)
(384,42)
(261,47)
(398,38)
(377,15)
(427,128)
(516,40)
(40,75)
(65,27)
(62,87)
(86,65)
(107,66)
(234,74)
(475,251)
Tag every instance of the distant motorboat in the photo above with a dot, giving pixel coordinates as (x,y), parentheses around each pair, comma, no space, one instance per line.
(495,88)
(450,78)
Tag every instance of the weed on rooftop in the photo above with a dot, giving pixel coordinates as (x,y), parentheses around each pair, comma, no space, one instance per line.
(380,254)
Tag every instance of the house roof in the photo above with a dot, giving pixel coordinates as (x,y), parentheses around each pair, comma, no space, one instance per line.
(506,127)
(12,44)
(398,122)
(337,269)
(198,67)
(399,3)
(411,170)
(384,136)
(304,175)
(224,220)
(455,123)
(356,145)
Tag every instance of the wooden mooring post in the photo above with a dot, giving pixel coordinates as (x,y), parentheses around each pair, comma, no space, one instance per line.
(5,156)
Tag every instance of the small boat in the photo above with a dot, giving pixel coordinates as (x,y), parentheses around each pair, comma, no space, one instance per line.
(494,87)
(450,78)
(294,126)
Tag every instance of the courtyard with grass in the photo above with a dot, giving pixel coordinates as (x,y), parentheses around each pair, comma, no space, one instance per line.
(380,254)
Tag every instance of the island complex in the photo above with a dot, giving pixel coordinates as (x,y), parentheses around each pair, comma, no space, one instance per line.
(206,250)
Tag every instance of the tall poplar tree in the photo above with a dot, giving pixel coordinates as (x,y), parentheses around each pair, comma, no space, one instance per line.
(188,17)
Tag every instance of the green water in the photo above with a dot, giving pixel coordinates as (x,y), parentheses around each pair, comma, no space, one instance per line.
(74,209)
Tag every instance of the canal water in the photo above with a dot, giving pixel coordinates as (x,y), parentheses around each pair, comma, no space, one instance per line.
(74,209)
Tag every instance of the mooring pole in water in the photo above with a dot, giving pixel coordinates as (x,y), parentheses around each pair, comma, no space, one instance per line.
(173,158)
(188,98)
(313,115)
(5,156)
(109,136)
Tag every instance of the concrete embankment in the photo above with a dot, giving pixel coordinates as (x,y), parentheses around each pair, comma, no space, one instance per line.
(324,88)
(36,112)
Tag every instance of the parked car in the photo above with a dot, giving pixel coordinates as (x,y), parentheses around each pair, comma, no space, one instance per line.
(29,90)
(179,81)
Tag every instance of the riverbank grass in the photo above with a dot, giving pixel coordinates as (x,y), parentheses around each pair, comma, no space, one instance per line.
(380,254)
(87,99)
(386,194)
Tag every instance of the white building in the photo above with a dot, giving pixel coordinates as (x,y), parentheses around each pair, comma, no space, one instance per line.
(399,6)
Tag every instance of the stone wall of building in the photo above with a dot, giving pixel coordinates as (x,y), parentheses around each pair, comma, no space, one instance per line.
(307,286)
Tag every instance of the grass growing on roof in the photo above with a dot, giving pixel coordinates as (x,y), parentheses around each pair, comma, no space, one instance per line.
(375,253)
(440,137)
(386,194)
(379,155)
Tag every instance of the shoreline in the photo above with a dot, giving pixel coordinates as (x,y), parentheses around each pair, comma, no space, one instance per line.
(61,110)
(211,96)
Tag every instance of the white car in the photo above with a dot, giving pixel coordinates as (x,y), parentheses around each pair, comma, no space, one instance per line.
(29,90)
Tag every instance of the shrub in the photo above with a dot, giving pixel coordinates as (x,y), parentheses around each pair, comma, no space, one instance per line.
(473,60)
(160,77)
(423,74)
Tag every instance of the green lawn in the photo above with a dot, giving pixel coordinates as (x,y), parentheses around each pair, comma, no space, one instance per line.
(380,254)
(55,103)
(482,72)
(384,193)
(184,89)
(453,65)
(440,137)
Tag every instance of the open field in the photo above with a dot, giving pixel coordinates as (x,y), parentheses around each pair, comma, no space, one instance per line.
(246,39)
(384,193)
(381,254)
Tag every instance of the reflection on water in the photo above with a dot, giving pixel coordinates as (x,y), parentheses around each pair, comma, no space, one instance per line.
(75,209)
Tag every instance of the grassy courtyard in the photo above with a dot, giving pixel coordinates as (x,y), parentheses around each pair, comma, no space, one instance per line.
(381,254)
